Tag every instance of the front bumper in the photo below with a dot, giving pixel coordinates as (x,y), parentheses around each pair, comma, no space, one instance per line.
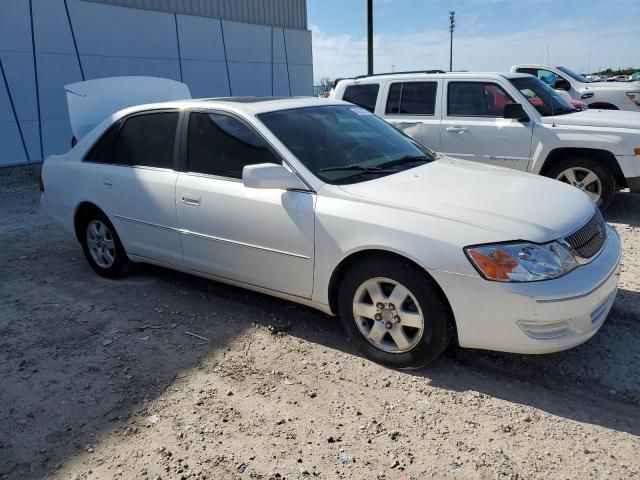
(536,317)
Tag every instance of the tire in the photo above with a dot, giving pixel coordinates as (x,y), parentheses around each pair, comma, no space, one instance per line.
(97,235)
(581,167)
(377,340)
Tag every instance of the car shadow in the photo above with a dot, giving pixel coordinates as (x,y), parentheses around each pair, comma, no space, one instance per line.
(625,209)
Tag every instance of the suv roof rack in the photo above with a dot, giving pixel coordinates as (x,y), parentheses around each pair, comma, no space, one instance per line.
(399,73)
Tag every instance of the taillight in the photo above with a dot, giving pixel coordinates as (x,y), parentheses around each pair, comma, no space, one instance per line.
(41,183)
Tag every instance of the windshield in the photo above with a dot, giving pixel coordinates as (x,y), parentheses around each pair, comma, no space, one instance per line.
(344,144)
(574,75)
(544,98)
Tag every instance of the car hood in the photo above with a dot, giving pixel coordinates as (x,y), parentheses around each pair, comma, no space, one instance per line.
(597,118)
(610,86)
(518,206)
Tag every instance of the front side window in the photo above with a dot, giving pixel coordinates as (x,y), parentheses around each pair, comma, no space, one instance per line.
(344,144)
(364,95)
(476,99)
(547,76)
(544,98)
(221,145)
(147,140)
(412,98)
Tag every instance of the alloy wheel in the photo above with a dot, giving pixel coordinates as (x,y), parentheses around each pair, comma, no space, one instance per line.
(101,244)
(388,315)
(583,179)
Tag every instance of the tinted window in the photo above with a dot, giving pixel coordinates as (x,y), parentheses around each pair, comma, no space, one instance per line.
(412,98)
(221,145)
(546,76)
(363,95)
(101,150)
(476,99)
(147,140)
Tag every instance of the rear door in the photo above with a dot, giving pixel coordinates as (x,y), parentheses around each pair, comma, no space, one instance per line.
(136,185)
(412,107)
(473,126)
(263,237)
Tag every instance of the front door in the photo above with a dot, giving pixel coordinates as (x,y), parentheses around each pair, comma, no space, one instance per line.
(473,126)
(262,237)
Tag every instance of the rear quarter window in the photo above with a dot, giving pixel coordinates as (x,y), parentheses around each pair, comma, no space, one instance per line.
(363,95)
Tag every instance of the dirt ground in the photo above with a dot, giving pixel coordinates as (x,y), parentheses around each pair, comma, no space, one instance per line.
(99,379)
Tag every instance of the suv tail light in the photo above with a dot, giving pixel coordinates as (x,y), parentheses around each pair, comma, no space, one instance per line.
(40,183)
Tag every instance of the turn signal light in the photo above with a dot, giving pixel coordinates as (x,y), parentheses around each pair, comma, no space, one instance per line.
(636,151)
(496,266)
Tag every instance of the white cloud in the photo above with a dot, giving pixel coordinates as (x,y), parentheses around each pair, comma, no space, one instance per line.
(344,55)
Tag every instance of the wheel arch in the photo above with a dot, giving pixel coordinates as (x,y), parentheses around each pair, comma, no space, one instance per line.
(83,209)
(603,106)
(362,255)
(607,158)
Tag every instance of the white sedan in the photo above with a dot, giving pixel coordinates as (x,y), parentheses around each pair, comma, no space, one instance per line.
(322,203)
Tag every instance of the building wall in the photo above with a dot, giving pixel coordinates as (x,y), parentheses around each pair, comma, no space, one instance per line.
(77,40)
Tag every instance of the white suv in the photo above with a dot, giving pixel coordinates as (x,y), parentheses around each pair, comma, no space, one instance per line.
(598,95)
(510,120)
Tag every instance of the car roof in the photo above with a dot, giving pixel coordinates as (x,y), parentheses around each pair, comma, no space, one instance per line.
(250,105)
(420,75)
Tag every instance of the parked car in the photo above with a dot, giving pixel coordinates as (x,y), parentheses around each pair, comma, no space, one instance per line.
(320,202)
(511,120)
(598,95)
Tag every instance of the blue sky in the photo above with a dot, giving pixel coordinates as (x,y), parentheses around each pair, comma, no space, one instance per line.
(490,35)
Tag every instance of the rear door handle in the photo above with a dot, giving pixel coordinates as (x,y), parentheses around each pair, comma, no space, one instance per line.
(456,129)
(107,184)
(189,199)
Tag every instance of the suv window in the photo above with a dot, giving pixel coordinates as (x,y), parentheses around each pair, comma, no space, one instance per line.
(412,98)
(547,76)
(221,145)
(364,95)
(476,99)
(147,140)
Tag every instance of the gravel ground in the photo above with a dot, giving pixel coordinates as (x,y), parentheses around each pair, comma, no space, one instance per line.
(99,379)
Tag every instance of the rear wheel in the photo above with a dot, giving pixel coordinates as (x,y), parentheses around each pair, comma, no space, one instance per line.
(102,246)
(394,313)
(594,179)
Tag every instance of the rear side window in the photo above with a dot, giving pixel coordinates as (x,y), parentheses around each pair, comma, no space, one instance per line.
(363,95)
(147,140)
(221,145)
(101,150)
(412,98)
(476,99)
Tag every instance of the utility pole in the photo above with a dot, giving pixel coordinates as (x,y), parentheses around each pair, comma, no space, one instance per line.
(452,26)
(370,37)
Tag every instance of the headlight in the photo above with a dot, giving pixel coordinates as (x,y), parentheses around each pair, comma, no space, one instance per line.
(521,262)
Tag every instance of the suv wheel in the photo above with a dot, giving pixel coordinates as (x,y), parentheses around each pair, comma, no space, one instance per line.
(393,313)
(588,175)
(102,246)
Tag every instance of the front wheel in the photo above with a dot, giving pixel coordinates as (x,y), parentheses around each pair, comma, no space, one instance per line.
(594,179)
(393,313)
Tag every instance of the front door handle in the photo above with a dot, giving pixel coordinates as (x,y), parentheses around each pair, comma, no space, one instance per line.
(107,184)
(189,199)
(456,129)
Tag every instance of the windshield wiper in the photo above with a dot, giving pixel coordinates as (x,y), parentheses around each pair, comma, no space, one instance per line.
(405,159)
(358,168)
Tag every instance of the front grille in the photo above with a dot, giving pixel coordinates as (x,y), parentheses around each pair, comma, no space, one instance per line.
(589,239)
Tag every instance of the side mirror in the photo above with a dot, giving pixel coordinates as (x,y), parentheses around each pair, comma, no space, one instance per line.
(271,175)
(562,84)
(515,111)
